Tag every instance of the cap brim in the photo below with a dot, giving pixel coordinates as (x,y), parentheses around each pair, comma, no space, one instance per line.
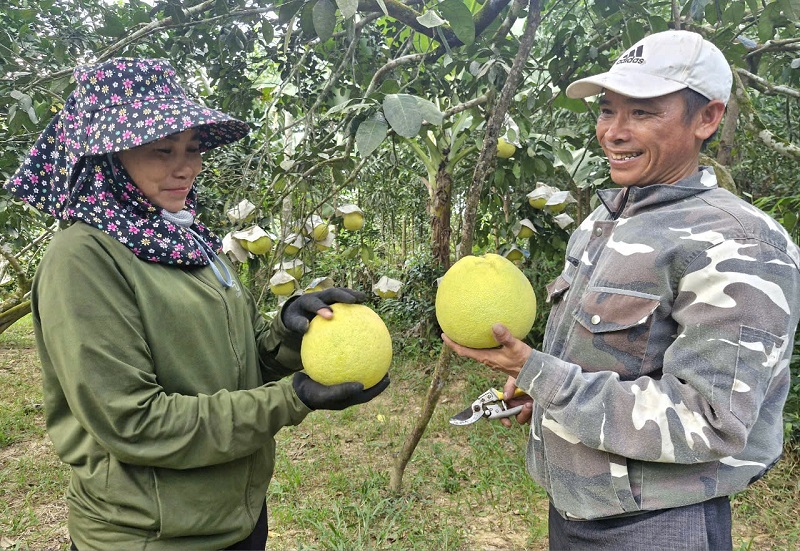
(140,122)
(634,85)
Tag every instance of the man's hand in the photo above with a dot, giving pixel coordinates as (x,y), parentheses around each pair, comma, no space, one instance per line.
(334,397)
(508,358)
(299,311)
(525,401)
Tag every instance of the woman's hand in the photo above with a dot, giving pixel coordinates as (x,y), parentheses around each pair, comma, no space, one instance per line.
(299,311)
(334,397)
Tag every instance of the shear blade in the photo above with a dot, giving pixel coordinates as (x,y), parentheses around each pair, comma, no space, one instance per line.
(466,417)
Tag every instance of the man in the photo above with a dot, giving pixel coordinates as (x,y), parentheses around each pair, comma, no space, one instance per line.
(665,363)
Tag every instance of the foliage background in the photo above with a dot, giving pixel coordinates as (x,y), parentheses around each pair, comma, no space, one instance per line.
(387,104)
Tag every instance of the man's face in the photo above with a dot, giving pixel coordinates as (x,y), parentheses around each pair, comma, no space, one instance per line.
(648,141)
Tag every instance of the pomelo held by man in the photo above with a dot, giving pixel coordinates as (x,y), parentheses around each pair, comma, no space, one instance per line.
(480,291)
(353,346)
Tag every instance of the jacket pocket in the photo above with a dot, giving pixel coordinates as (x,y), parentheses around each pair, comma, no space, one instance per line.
(756,360)
(612,331)
(584,483)
(203,501)
(556,290)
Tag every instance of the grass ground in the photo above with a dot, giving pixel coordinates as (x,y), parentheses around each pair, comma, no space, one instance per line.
(464,489)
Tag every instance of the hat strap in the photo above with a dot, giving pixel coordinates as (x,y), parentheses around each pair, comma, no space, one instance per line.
(185,219)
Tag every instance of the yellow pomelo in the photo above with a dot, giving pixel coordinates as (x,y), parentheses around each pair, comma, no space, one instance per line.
(505,150)
(260,245)
(320,232)
(537,203)
(353,221)
(353,346)
(244,243)
(479,291)
(525,232)
(514,255)
(283,289)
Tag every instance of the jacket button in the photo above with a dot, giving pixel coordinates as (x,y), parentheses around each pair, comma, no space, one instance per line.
(598,231)
(595,319)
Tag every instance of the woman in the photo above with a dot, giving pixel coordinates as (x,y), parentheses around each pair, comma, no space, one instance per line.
(163,386)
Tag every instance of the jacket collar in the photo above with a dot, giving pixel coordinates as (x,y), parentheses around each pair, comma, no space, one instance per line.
(629,201)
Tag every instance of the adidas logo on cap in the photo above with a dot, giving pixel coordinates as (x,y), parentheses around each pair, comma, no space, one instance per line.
(634,55)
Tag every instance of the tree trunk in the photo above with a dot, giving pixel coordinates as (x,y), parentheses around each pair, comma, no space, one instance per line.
(487,156)
(19,304)
(440,375)
(441,210)
(728,133)
(441,235)
(14,313)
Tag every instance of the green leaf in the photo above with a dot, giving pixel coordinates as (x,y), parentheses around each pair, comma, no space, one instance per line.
(460,18)
(307,21)
(698,9)
(635,31)
(366,254)
(765,28)
(563,155)
(389,86)
(267,31)
(789,220)
(289,10)
(766,22)
(734,14)
(429,111)
(403,114)
(347,7)
(113,25)
(370,134)
(791,9)
(324,14)
(574,105)
(25,105)
(176,12)
(540,166)
(430,19)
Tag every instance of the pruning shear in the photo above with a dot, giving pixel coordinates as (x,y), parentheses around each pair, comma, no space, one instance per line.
(490,404)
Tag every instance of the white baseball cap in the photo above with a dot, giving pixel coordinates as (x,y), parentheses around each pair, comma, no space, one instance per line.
(660,64)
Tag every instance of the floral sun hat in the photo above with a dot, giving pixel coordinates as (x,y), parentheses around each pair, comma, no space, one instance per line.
(71,173)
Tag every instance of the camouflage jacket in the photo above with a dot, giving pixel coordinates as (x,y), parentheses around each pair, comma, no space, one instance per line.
(666,355)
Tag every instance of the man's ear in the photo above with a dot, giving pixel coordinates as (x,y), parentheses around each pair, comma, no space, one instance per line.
(708,119)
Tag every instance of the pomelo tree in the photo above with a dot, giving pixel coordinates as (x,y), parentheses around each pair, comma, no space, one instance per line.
(396,106)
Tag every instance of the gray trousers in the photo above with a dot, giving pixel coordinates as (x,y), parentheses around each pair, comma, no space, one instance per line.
(699,527)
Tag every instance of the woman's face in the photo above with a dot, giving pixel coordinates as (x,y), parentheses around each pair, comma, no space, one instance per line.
(164,170)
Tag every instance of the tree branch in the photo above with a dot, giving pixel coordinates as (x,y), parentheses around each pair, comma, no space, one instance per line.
(487,155)
(785,45)
(763,85)
(757,126)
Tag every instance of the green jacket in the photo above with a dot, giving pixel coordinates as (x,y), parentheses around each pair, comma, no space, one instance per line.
(163,391)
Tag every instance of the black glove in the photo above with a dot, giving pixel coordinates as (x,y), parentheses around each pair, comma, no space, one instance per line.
(300,311)
(335,397)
